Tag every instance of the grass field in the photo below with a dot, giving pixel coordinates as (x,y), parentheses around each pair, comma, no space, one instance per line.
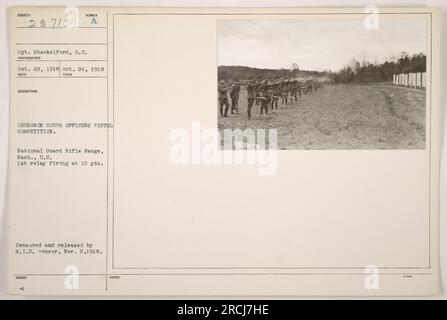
(376,116)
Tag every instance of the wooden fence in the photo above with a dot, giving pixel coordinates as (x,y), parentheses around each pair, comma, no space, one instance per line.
(411,80)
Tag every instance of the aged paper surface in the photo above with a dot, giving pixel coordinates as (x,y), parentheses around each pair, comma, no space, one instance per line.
(121,182)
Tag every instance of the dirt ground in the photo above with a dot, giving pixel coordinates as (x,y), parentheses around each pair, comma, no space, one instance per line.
(376,116)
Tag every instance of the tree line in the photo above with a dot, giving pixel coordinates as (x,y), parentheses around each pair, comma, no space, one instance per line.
(358,70)
(363,71)
(243,72)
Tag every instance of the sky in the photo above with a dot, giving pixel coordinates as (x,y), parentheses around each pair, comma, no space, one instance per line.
(317,43)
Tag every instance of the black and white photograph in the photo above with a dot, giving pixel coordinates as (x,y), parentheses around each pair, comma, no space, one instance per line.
(326,82)
(191,153)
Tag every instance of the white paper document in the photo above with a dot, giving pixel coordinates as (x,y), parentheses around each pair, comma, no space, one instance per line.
(223,152)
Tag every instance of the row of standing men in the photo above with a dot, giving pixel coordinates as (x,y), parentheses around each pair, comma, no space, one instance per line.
(267,92)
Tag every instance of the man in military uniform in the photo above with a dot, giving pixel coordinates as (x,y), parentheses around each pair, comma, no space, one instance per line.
(222,90)
(234,94)
(293,96)
(276,94)
(257,90)
(309,86)
(251,94)
(299,88)
(314,85)
(285,91)
(263,96)
(269,94)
